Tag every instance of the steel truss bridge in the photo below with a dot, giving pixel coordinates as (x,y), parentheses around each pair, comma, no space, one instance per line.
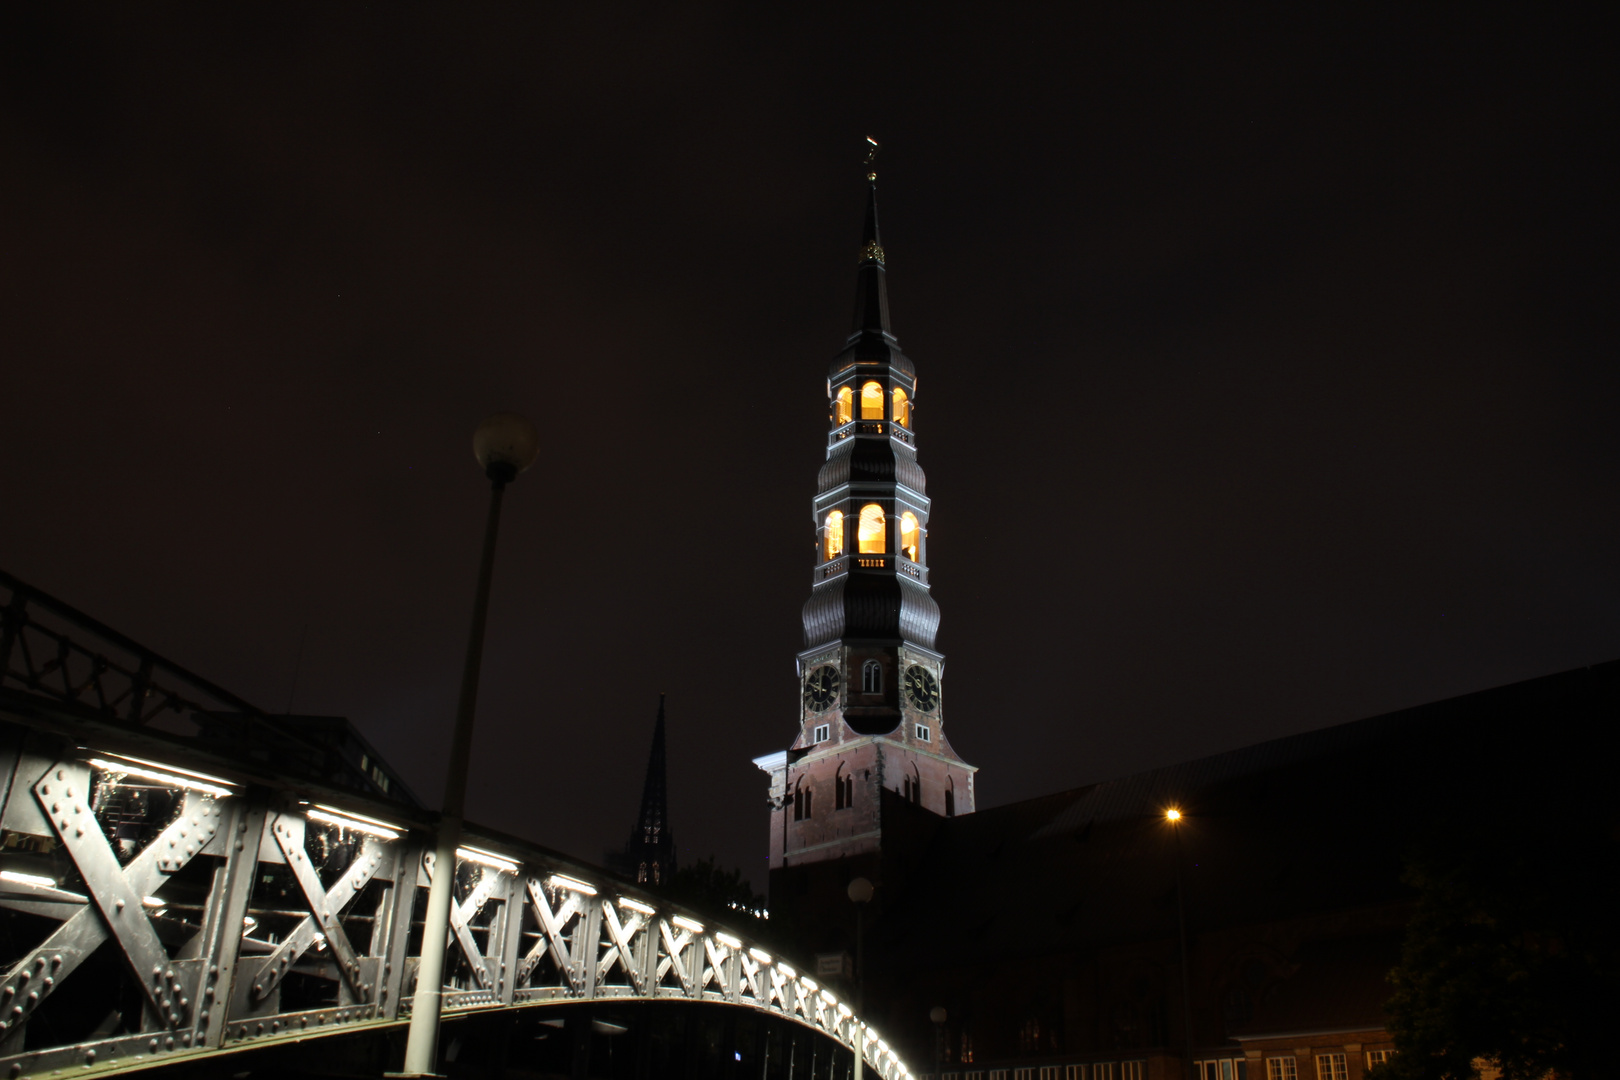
(185,878)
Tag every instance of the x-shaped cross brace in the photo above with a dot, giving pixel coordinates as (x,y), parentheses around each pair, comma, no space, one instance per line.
(462,914)
(325,905)
(551,936)
(674,948)
(118,893)
(622,935)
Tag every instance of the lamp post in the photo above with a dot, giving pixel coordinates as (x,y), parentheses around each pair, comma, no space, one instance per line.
(1173,817)
(860,893)
(505,445)
(937,1015)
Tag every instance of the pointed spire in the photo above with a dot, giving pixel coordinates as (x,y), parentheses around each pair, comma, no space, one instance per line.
(871,289)
(651,850)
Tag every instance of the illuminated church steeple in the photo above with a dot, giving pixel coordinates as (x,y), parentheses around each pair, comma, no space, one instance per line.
(872,706)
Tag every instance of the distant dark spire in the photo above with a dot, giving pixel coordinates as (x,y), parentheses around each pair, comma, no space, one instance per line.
(871,292)
(650,855)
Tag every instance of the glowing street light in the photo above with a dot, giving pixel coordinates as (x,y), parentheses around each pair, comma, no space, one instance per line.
(1172,815)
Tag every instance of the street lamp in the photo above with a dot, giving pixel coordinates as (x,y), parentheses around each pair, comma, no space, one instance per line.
(505,445)
(1173,817)
(860,893)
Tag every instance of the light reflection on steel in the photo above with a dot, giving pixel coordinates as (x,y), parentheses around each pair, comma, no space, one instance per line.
(257,885)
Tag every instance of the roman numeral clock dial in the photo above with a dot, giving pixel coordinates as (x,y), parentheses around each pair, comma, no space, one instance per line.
(922,689)
(821,688)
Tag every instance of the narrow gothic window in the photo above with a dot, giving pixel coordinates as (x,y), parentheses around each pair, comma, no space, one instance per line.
(838,792)
(871,677)
(873,530)
(910,530)
(844,406)
(950,802)
(835,534)
(848,785)
(872,401)
(902,408)
(808,795)
(798,803)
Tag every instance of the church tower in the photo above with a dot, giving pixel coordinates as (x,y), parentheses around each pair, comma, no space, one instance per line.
(649,855)
(872,706)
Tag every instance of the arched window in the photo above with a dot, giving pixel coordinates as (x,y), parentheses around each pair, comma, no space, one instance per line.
(872,401)
(902,408)
(950,800)
(843,789)
(844,406)
(834,545)
(872,677)
(873,530)
(910,532)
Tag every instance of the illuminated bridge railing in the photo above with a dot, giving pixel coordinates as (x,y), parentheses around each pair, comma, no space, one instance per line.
(160,907)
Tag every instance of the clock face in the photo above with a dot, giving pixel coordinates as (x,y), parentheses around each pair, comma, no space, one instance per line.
(821,688)
(922,689)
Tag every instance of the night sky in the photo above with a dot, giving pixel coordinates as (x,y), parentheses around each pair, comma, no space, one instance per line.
(1267,364)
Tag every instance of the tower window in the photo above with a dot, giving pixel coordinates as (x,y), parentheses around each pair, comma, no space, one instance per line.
(843,790)
(902,408)
(844,406)
(950,801)
(872,401)
(872,677)
(834,543)
(910,530)
(802,797)
(923,733)
(822,733)
(873,529)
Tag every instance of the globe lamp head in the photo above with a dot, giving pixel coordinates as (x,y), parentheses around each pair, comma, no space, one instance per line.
(505,445)
(937,1014)
(860,890)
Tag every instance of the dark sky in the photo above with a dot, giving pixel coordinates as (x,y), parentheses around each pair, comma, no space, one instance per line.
(1267,360)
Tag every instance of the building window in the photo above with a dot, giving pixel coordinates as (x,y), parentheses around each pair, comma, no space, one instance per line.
(872,677)
(1132,1070)
(910,531)
(902,408)
(1221,1069)
(833,545)
(1281,1068)
(822,733)
(1379,1057)
(998,1074)
(1331,1067)
(922,732)
(873,530)
(1051,1072)
(950,808)
(911,791)
(872,401)
(843,791)
(1024,1074)
(1103,1070)
(844,406)
(1074,1072)
(801,803)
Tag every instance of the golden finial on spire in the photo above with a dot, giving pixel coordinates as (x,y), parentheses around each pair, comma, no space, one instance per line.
(872,149)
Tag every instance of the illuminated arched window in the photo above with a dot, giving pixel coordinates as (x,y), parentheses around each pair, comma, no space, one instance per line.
(873,531)
(902,408)
(872,401)
(910,532)
(835,534)
(844,406)
(872,677)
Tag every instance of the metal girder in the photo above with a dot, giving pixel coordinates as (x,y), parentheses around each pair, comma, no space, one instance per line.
(210,982)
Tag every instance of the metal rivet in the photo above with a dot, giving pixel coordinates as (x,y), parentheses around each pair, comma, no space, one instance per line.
(59,774)
(168,1044)
(261,1030)
(56,961)
(22,980)
(45,789)
(119,904)
(185,1040)
(213,972)
(169,975)
(89,1057)
(79,831)
(152,1044)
